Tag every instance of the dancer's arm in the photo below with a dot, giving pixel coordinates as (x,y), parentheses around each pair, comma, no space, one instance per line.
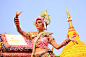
(26,35)
(16,20)
(55,45)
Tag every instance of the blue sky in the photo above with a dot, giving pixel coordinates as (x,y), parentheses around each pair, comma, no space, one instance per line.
(55,8)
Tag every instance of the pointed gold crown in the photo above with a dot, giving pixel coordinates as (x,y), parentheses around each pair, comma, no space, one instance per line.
(45,16)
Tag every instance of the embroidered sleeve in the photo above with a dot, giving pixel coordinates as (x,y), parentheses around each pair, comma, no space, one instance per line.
(51,39)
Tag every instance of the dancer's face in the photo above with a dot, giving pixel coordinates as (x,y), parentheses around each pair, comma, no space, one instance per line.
(39,24)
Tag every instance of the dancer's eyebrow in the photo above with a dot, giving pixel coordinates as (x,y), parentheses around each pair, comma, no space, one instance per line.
(39,22)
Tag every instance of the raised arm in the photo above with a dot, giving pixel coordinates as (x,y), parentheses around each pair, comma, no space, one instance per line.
(55,45)
(16,21)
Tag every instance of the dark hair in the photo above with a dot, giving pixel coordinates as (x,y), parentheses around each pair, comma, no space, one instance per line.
(38,19)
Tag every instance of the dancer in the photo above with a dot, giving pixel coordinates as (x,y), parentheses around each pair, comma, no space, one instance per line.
(41,39)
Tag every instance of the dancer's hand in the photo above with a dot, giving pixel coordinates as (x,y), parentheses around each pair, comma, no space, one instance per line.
(17,14)
(73,40)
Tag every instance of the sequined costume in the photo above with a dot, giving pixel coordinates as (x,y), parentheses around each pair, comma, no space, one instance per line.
(41,43)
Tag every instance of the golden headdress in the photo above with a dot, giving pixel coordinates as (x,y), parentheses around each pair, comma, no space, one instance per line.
(44,18)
